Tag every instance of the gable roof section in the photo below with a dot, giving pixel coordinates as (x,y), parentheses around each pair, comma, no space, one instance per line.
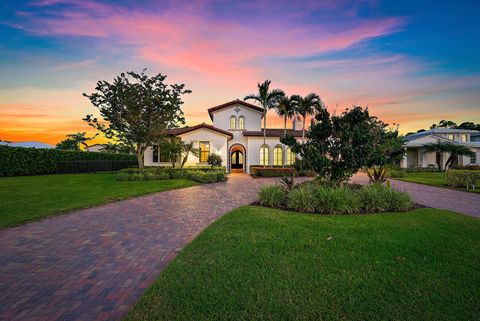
(233,102)
(273,132)
(184,130)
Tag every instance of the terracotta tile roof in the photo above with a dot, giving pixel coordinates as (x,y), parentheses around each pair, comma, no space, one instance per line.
(233,102)
(183,130)
(274,132)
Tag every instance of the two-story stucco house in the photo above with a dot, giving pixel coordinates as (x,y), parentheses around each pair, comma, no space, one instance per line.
(236,135)
(417,156)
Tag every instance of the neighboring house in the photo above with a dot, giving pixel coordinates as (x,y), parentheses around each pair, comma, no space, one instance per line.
(27,144)
(417,156)
(236,135)
(95,148)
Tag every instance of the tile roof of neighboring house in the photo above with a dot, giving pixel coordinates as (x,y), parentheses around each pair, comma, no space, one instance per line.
(183,130)
(233,102)
(273,132)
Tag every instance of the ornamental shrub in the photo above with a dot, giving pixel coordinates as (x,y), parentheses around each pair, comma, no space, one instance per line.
(214,160)
(463,178)
(302,199)
(272,195)
(397,201)
(337,200)
(20,161)
(372,198)
(159,173)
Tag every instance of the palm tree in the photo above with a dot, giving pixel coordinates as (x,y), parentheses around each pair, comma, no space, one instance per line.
(173,148)
(286,108)
(80,138)
(187,149)
(267,99)
(306,106)
(453,149)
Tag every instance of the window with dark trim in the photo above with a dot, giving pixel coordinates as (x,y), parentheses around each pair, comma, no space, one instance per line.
(204,151)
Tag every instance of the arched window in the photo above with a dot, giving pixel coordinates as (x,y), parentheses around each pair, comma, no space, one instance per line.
(241,122)
(264,155)
(278,156)
(290,156)
(233,122)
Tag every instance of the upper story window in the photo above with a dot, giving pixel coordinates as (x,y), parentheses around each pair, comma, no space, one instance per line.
(233,122)
(464,138)
(451,136)
(204,151)
(264,155)
(241,122)
(278,156)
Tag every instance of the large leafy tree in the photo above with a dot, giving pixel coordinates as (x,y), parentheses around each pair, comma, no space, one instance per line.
(267,99)
(306,106)
(453,150)
(338,146)
(137,109)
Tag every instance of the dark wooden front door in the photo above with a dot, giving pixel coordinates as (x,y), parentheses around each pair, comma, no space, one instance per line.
(237,160)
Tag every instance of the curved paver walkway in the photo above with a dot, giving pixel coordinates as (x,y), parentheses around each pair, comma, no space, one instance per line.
(93,264)
(444,198)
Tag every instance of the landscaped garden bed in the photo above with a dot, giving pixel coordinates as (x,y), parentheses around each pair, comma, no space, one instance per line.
(201,174)
(315,197)
(258,263)
(277,171)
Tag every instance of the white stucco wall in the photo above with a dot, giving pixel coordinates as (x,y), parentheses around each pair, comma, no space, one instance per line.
(218,145)
(221,118)
(253,149)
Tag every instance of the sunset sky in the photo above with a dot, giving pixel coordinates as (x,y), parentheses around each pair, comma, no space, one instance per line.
(412,62)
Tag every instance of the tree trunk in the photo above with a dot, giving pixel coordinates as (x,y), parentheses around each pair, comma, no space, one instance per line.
(140,157)
(284,135)
(264,131)
(303,130)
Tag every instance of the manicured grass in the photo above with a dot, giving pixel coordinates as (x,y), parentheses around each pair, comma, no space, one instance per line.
(265,264)
(27,198)
(431,178)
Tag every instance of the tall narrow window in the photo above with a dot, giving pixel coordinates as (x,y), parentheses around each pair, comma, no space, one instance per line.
(278,156)
(155,154)
(233,122)
(473,159)
(464,137)
(241,122)
(451,136)
(204,151)
(290,156)
(264,155)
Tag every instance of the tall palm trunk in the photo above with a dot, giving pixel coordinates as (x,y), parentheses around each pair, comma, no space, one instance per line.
(284,135)
(303,130)
(264,131)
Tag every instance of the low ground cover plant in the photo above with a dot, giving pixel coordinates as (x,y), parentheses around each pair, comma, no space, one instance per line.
(463,178)
(274,171)
(202,175)
(315,197)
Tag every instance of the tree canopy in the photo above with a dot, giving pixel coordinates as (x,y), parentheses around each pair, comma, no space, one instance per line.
(137,109)
(338,146)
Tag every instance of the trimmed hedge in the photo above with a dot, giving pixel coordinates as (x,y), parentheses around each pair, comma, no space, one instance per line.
(312,197)
(277,171)
(463,178)
(467,167)
(204,175)
(20,161)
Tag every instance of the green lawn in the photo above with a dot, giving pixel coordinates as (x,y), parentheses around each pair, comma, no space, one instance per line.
(265,264)
(27,198)
(431,178)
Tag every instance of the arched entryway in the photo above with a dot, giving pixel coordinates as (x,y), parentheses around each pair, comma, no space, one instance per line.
(237,159)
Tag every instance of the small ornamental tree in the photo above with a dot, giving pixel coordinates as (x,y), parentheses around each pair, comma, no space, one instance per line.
(137,109)
(452,149)
(214,160)
(338,146)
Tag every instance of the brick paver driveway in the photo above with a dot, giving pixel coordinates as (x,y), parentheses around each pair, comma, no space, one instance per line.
(444,198)
(94,264)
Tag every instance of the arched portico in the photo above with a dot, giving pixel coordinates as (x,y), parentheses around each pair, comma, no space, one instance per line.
(237,159)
